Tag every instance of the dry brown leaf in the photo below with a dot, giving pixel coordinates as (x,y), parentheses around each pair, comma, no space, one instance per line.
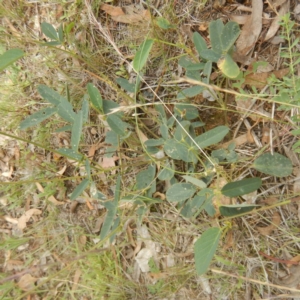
(62,170)
(229,241)
(238,141)
(291,280)
(51,198)
(93,149)
(88,204)
(130,14)
(10,220)
(275,24)
(143,138)
(294,259)
(276,219)
(265,138)
(113,11)
(76,279)
(297,12)
(159,195)
(251,30)
(8,173)
(26,217)
(268,201)
(14,265)
(259,80)
(107,162)
(250,138)
(26,282)
(247,105)
(240,19)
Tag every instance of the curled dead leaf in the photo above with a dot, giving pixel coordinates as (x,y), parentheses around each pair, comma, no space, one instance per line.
(160,195)
(130,14)
(51,198)
(259,80)
(268,201)
(27,282)
(26,217)
(276,219)
(113,11)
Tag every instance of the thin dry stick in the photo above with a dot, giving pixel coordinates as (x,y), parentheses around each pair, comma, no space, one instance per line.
(255,281)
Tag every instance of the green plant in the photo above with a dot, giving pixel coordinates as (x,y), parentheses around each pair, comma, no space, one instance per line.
(287,90)
(222,39)
(176,141)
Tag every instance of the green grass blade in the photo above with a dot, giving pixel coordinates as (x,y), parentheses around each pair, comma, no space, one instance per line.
(205,248)
(9,57)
